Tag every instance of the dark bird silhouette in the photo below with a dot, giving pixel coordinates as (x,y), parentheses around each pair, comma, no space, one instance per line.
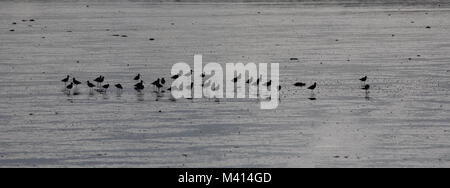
(363,79)
(203,75)
(156,82)
(175,76)
(99,80)
(140,83)
(300,84)
(269,83)
(65,80)
(235,79)
(139,86)
(76,82)
(70,86)
(249,81)
(366,87)
(90,85)
(118,86)
(137,77)
(105,87)
(312,87)
(163,81)
(259,80)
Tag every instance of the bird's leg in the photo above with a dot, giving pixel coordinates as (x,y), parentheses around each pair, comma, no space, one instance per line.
(367,95)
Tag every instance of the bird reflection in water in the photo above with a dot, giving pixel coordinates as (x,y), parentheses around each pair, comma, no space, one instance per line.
(312,97)
(140,96)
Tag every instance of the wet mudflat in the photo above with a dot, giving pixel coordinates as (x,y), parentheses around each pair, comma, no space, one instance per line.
(403,122)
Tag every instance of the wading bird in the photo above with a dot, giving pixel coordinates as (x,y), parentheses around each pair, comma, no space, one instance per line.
(156,82)
(259,80)
(312,87)
(70,86)
(174,77)
(90,85)
(366,87)
(118,86)
(137,77)
(249,80)
(363,79)
(65,80)
(105,87)
(235,79)
(300,84)
(269,83)
(139,86)
(99,80)
(76,82)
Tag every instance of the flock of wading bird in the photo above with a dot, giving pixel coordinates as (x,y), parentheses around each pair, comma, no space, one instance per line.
(71,83)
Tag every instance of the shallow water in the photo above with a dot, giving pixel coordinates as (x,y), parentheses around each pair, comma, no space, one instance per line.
(403,122)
